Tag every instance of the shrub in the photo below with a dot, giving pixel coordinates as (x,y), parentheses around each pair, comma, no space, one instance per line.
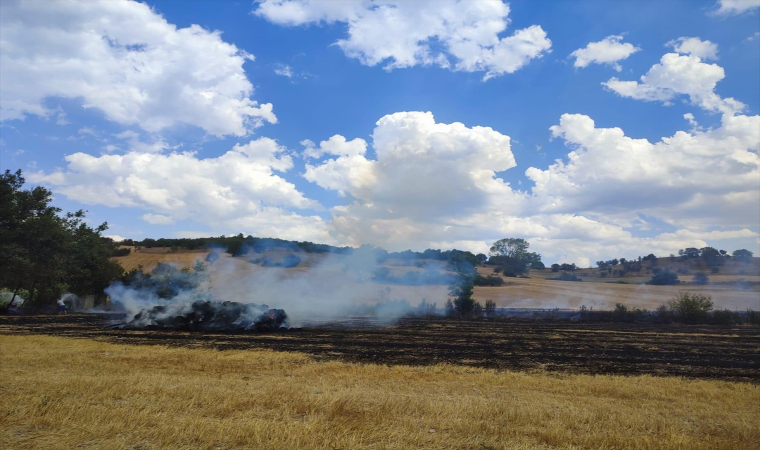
(564,276)
(124,251)
(490,307)
(700,278)
(665,277)
(622,313)
(725,317)
(664,314)
(691,308)
(291,261)
(489,280)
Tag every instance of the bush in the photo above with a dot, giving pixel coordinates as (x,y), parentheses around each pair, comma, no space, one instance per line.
(691,308)
(664,314)
(700,278)
(622,313)
(489,280)
(725,317)
(665,277)
(289,261)
(124,251)
(564,276)
(490,307)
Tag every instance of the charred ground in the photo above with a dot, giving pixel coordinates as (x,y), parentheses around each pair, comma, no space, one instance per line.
(713,352)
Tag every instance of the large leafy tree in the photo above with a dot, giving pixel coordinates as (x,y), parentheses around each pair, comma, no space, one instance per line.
(510,247)
(743,255)
(46,252)
(511,256)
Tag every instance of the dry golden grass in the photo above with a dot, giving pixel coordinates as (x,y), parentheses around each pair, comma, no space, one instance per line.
(60,393)
(149,258)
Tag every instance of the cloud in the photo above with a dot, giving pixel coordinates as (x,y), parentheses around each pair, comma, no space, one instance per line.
(678,74)
(122,58)
(424,170)
(694,46)
(283,70)
(436,185)
(608,51)
(735,7)
(87,131)
(235,191)
(462,36)
(136,144)
(425,178)
(157,219)
(693,179)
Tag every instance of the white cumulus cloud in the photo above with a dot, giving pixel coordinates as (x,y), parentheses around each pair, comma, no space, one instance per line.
(689,179)
(735,7)
(609,51)
(124,59)
(436,185)
(237,190)
(452,34)
(695,46)
(157,219)
(681,74)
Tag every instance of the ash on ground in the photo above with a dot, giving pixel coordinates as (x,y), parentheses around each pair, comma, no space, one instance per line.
(203,315)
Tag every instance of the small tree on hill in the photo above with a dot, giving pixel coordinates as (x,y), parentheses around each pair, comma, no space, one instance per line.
(743,255)
(664,277)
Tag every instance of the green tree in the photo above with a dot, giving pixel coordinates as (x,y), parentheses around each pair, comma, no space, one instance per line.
(665,277)
(691,307)
(743,255)
(461,296)
(510,247)
(89,269)
(461,288)
(45,252)
(512,257)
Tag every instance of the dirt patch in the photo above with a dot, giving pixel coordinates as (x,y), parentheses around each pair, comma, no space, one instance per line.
(727,353)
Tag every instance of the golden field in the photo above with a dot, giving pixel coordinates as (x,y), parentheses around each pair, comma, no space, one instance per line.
(236,278)
(60,393)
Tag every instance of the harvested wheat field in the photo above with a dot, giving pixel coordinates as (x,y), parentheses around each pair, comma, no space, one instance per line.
(149,258)
(61,393)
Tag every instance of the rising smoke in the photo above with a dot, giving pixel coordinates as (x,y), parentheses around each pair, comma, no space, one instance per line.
(324,287)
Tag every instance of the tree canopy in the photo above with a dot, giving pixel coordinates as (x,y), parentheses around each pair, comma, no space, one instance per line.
(47,252)
(512,258)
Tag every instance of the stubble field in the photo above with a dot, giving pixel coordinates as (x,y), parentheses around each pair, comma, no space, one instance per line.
(64,393)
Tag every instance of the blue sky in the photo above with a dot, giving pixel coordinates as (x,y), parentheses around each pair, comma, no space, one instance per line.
(122,87)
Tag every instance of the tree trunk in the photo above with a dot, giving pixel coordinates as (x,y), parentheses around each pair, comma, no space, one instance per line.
(31,293)
(13,298)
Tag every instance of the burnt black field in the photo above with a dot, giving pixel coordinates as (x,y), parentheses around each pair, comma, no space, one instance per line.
(694,351)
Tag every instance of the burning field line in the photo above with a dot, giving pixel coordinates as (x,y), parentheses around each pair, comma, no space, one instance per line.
(78,393)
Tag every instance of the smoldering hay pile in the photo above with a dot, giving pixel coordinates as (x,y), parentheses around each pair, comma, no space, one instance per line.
(205,315)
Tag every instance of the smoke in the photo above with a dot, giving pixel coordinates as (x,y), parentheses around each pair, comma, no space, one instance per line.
(329,286)
(318,287)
